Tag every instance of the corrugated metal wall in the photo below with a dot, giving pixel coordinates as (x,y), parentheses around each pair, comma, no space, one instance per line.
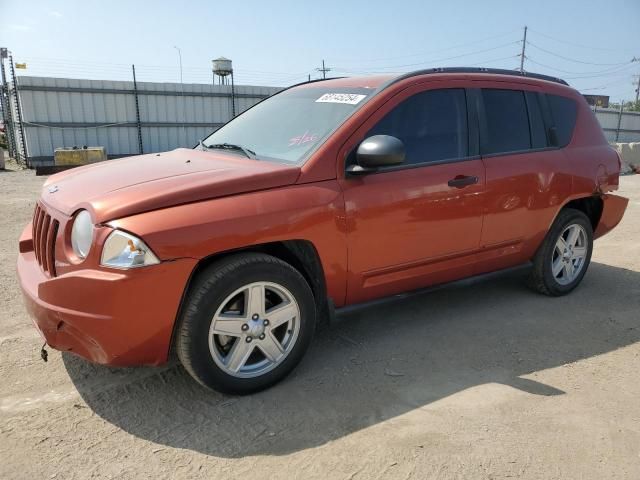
(64,112)
(629,130)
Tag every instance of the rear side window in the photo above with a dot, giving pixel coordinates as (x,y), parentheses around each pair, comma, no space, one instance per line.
(564,112)
(431,124)
(507,122)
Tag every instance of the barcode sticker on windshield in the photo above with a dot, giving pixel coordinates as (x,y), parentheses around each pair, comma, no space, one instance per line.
(348,98)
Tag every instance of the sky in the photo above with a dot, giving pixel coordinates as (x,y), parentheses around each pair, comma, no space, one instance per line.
(589,43)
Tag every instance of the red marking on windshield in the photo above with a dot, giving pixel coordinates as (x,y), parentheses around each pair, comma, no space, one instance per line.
(301,139)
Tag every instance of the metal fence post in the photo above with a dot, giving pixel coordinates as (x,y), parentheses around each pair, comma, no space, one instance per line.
(7,113)
(619,120)
(233,97)
(16,96)
(138,124)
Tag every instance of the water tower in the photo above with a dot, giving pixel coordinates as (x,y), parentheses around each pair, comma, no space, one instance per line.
(223,69)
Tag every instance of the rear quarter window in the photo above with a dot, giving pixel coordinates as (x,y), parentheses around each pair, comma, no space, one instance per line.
(563,112)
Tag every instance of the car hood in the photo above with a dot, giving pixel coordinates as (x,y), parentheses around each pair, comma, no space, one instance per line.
(123,187)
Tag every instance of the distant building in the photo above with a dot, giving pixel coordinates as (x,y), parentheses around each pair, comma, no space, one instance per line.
(597,100)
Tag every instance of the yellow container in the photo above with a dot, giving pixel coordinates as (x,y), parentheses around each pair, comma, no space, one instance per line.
(96,154)
(79,156)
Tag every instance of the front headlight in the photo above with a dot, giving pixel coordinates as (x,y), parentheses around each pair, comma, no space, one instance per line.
(82,234)
(123,250)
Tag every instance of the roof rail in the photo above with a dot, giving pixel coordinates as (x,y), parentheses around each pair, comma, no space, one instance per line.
(499,71)
(312,81)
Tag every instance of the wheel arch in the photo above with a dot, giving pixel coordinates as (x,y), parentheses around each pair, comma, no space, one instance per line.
(591,206)
(300,254)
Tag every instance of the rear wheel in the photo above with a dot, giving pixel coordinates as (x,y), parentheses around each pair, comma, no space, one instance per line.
(247,322)
(562,261)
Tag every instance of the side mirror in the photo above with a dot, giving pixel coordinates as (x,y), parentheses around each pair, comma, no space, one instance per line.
(376,152)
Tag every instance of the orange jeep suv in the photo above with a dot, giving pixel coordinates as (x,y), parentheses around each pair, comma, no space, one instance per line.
(326,195)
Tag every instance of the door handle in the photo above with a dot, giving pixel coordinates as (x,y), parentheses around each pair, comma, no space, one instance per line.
(461,181)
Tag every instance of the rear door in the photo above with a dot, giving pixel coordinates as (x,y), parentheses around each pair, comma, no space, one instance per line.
(526,179)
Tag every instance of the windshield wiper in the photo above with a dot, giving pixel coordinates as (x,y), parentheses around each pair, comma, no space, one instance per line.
(230,146)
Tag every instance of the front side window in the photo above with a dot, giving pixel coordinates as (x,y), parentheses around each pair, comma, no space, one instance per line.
(431,124)
(287,127)
(507,122)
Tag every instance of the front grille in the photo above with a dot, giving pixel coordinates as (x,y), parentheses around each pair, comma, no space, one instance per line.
(45,230)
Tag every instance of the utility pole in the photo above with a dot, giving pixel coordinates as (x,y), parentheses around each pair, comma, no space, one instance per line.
(637,77)
(324,70)
(524,44)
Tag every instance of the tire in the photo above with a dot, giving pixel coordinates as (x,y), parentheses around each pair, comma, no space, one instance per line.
(227,342)
(557,270)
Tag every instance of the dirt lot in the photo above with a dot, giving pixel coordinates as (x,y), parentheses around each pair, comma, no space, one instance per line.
(482,381)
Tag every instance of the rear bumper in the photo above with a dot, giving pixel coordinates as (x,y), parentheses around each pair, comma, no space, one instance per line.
(112,317)
(612,212)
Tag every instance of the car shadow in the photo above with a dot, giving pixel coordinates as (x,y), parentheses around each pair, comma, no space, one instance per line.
(377,363)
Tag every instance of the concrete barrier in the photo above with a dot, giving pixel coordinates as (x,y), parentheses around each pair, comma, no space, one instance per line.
(79,156)
(634,150)
(630,156)
(2,156)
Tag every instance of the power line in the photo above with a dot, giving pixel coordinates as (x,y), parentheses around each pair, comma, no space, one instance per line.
(594,73)
(198,74)
(428,52)
(484,62)
(577,44)
(147,72)
(623,70)
(605,85)
(573,59)
(202,75)
(391,67)
(126,66)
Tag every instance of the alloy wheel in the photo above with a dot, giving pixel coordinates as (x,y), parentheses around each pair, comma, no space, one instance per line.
(254,329)
(569,254)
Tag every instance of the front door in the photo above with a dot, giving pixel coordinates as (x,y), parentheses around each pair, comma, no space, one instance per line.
(417,224)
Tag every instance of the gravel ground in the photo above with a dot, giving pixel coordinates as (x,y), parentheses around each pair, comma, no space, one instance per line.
(482,381)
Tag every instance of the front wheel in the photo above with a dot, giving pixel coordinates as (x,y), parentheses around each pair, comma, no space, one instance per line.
(247,322)
(562,260)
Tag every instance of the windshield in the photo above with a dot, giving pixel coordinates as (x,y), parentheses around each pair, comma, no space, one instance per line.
(287,127)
